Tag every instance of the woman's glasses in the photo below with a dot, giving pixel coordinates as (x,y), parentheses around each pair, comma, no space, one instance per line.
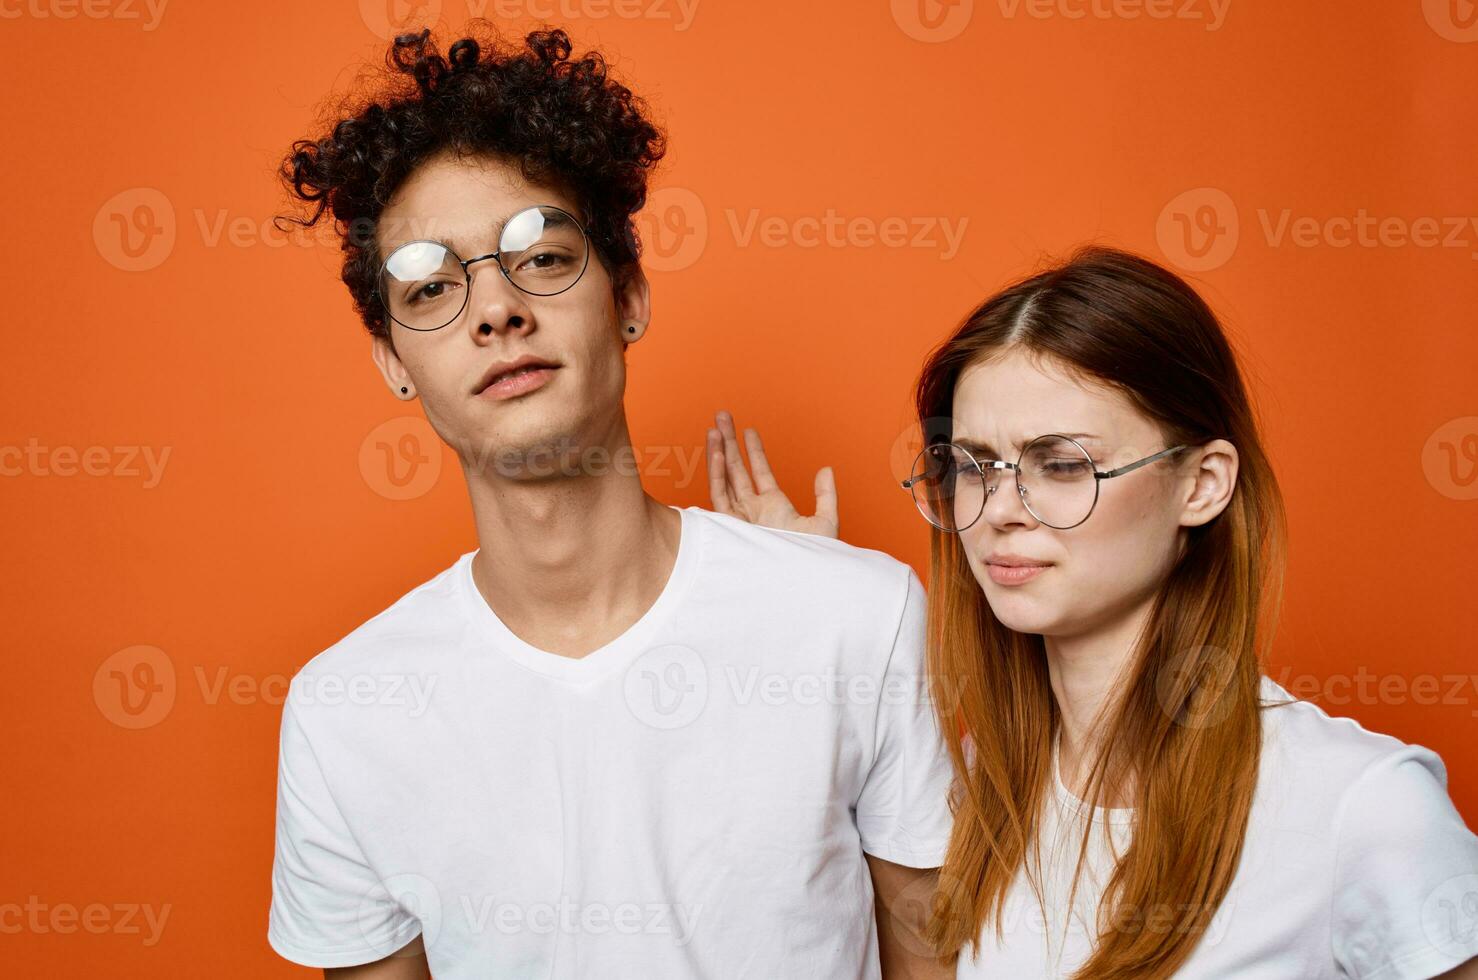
(1055,478)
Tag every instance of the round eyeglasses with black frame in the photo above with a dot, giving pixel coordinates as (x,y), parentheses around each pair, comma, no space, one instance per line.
(542,251)
(1056,479)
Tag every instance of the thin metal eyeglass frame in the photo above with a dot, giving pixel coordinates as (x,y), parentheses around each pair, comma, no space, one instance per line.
(467,276)
(995,464)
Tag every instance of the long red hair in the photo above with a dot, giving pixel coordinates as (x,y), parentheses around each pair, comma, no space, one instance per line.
(1184,731)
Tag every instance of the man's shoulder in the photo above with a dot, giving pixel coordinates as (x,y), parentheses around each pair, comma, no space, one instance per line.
(789,556)
(425,612)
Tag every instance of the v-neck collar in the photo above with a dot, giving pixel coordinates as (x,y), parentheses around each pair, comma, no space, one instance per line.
(639,636)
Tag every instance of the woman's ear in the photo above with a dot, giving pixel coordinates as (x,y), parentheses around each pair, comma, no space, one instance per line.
(1214,477)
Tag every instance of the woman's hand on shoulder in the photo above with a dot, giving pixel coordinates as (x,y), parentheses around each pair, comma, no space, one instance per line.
(761,501)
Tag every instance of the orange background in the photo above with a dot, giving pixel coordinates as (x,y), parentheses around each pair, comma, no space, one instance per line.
(272,530)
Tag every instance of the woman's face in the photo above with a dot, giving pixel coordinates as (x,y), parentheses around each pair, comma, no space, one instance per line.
(1106,567)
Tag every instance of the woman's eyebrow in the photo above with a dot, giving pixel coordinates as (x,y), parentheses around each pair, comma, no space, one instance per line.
(985,447)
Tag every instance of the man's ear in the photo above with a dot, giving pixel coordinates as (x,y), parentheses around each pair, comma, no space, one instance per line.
(634,305)
(394,372)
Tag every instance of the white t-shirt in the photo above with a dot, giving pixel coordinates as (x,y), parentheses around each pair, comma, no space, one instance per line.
(1356,864)
(693,799)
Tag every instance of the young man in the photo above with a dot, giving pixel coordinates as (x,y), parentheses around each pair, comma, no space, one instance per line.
(619,739)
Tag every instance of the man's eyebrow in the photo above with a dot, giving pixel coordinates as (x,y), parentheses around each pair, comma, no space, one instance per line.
(551,218)
(498,222)
(986,448)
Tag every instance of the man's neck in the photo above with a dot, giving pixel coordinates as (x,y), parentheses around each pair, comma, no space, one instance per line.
(569,565)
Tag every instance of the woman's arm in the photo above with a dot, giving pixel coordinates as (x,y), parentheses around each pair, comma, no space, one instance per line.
(762,501)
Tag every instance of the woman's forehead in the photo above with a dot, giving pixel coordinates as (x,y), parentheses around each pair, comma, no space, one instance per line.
(1014,399)
(1018,380)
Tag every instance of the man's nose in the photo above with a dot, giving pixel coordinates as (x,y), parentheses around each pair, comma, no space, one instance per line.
(494,305)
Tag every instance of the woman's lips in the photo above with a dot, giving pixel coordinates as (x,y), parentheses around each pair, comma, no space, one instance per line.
(1014,574)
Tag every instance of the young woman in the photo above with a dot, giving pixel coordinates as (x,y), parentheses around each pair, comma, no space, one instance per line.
(1133,797)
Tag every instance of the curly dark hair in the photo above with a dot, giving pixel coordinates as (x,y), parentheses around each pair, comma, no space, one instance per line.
(565,121)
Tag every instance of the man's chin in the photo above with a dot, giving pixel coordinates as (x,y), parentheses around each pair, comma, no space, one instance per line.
(522,455)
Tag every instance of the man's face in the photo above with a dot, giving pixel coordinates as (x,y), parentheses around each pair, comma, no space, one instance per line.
(465,203)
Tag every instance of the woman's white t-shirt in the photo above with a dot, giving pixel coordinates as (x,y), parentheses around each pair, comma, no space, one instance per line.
(1356,864)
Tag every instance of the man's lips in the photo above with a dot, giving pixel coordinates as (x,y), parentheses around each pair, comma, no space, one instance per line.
(503,369)
(517,383)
